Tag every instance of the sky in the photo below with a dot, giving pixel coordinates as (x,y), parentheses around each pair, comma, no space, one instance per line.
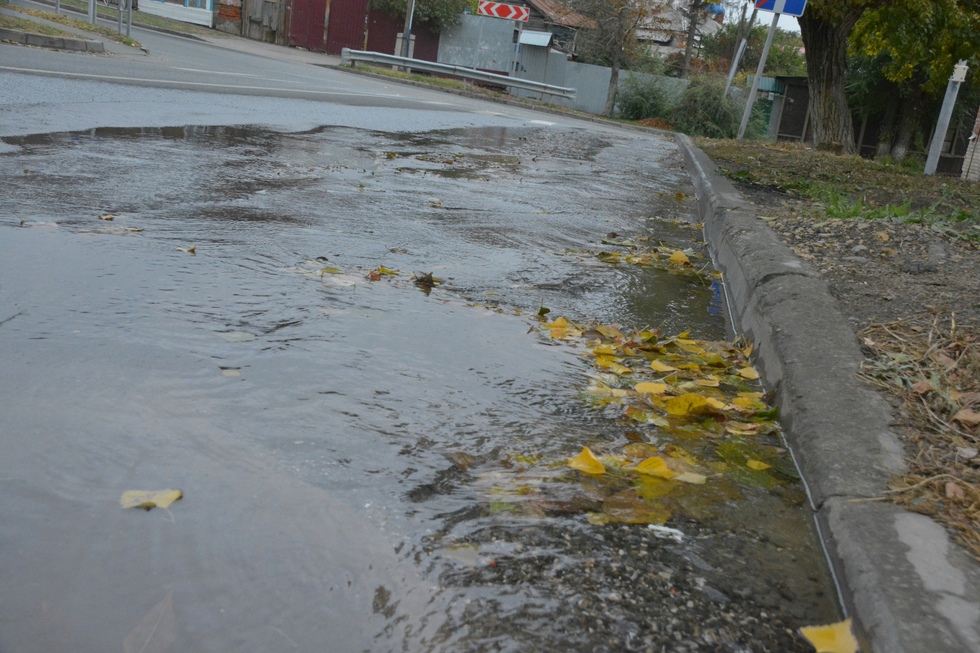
(785,22)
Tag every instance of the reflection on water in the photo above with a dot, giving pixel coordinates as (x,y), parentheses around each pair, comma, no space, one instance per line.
(332,482)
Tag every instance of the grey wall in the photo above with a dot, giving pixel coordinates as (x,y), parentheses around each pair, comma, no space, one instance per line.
(479,42)
(488,44)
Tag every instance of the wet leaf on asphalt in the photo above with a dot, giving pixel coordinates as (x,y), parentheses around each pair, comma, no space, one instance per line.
(749,373)
(628,507)
(655,466)
(685,404)
(680,258)
(691,477)
(832,638)
(757,465)
(329,270)
(190,250)
(149,499)
(651,388)
(156,631)
(587,462)
(659,366)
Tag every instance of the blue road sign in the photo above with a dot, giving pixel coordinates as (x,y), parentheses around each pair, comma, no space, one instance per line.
(788,7)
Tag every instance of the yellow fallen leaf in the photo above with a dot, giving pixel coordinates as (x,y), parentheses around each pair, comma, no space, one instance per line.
(658,366)
(645,417)
(586,462)
(606,361)
(748,402)
(605,350)
(609,331)
(743,428)
(616,368)
(709,382)
(757,465)
(749,373)
(679,258)
(651,388)
(387,271)
(557,323)
(685,404)
(600,389)
(833,638)
(148,500)
(655,466)
(715,403)
(691,477)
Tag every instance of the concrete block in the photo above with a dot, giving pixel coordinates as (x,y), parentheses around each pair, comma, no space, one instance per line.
(913,589)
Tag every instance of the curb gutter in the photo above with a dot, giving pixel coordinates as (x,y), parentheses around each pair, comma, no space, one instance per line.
(908,587)
(21,37)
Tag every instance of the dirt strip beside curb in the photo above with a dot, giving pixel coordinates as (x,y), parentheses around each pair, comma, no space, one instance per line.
(908,587)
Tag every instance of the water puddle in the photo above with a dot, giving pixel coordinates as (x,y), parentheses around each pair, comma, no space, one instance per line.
(365,459)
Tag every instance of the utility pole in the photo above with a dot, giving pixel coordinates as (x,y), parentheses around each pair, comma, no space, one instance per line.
(407,33)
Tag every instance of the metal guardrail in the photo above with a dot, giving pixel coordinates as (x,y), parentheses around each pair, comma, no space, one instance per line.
(352,56)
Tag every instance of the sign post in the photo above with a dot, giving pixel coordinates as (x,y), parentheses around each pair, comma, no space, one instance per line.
(788,7)
(508,12)
(942,125)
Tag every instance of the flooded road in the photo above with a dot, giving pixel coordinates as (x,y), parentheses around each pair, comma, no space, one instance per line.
(343,435)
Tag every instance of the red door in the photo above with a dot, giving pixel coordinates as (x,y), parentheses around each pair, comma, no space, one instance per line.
(346,27)
(306,24)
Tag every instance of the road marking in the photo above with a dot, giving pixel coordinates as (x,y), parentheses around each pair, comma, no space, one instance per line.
(213,72)
(204,84)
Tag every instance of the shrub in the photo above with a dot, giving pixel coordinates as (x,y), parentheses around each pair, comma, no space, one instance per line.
(639,99)
(704,110)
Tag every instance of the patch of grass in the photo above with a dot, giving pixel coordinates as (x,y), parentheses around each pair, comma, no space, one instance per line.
(12,22)
(441,82)
(75,23)
(850,187)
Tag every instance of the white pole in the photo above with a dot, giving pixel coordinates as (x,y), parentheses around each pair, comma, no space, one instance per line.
(942,125)
(738,58)
(758,76)
(407,38)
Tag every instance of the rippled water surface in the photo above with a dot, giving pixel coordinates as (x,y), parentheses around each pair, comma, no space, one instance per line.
(334,436)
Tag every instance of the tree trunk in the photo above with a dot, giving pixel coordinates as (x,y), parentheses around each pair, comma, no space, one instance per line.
(696,9)
(887,134)
(908,121)
(617,57)
(826,63)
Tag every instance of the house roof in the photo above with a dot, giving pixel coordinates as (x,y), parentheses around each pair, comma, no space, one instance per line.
(559,15)
(542,39)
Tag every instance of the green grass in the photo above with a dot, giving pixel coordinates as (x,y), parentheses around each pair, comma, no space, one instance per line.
(24,25)
(851,188)
(67,21)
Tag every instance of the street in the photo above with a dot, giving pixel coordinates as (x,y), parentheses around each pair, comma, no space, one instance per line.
(209,280)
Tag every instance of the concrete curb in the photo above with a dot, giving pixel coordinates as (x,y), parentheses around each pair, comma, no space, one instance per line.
(909,589)
(21,37)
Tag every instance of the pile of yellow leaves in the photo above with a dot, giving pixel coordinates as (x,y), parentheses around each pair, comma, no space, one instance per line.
(699,430)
